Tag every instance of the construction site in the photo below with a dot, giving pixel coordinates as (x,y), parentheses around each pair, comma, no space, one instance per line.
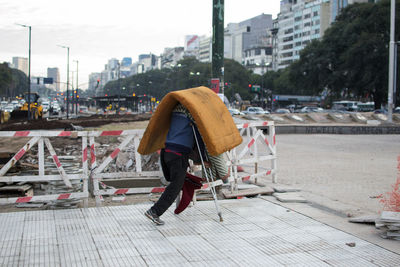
(305,190)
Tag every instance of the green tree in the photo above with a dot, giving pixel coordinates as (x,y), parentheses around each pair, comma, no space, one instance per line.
(351,60)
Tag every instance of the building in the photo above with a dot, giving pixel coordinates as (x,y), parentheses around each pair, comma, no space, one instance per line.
(54,73)
(192,45)
(299,22)
(205,48)
(171,56)
(21,63)
(248,34)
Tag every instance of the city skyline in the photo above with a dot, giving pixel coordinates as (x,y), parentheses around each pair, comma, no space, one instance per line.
(98,31)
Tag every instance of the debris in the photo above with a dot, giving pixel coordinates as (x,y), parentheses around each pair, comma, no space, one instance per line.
(118,199)
(368,219)
(351,244)
(16,190)
(284,189)
(289,197)
(30,205)
(389,221)
(247,192)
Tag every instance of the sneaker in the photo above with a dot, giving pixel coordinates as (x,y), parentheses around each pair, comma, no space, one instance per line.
(152,216)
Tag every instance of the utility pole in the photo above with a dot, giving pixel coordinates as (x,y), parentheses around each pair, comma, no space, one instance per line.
(29,69)
(217,69)
(76,89)
(392,60)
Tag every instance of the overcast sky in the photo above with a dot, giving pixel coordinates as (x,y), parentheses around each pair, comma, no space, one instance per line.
(97,31)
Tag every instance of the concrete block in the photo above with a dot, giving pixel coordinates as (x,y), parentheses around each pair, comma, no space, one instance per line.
(289,197)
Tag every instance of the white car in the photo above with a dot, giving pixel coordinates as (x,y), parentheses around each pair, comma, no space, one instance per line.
(311,109)
(255,111)
(235,111)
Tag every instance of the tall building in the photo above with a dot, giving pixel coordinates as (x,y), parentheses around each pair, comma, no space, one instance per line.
(20,63)
(205,48)
(191,45)
(239,37)
(171,56)
(299,22)
(55,74)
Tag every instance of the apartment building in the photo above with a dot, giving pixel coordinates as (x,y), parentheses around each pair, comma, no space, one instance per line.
(299,22)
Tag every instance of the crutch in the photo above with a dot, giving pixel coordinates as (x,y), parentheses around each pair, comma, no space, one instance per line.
(209,180)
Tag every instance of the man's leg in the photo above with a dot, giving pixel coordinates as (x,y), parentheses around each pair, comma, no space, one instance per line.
(176,166)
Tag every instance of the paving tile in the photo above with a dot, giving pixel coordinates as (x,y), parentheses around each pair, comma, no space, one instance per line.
(255,232)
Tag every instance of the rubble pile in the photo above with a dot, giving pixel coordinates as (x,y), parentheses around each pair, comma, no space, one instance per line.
(389,222)
(69,154)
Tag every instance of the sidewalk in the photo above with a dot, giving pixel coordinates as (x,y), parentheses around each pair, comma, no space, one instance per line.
(255,232)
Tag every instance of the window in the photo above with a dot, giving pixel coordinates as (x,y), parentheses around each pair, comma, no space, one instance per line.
(296,27)
(289,46)
(298,44)
(307,24)
(307,16)
(315,13)
(258,52)
(287,39)
(297,18)
(316,31)
(289,31)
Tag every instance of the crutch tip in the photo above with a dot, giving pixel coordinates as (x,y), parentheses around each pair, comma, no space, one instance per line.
(220,218)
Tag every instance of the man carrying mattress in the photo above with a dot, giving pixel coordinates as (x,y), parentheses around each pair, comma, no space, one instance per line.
(175,159)
(170,129)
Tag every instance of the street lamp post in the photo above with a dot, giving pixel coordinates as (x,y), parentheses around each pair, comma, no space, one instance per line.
(29,70)
(119,86)
(76,88)
(67,47)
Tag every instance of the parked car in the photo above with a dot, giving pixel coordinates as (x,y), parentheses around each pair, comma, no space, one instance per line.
(235,111)
(311,109)
(282,111)
(83,109)
(9,108)
(255,111)
(396,110)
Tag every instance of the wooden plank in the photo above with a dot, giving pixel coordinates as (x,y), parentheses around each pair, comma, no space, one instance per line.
(247,192)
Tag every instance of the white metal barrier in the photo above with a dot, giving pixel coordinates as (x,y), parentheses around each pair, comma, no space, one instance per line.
(256,148)
(42,139)
(98,170)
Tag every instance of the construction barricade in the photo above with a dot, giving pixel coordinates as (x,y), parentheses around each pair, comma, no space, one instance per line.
(129,140)
(100,151)
(71,185)
(258,149)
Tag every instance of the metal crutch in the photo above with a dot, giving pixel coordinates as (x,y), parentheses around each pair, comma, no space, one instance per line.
(209,180)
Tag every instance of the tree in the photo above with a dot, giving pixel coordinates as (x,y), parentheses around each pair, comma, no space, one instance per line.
(351,60)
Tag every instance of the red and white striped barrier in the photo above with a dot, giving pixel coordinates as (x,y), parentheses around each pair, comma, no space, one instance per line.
(41,138)
(257,148)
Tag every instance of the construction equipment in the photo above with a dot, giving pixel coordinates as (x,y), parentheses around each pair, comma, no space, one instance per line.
(36,109)
(4,116)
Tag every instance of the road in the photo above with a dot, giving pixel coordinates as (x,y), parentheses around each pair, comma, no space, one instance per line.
(341,172)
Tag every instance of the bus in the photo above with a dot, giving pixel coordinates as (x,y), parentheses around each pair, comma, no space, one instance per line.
(365,107)
(345,105)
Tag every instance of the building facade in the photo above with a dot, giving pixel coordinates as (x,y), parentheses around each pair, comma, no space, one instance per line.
(55,74)
(299,22)
(21,63)
(245,35)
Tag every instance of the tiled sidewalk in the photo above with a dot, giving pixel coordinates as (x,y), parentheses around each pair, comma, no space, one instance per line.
(255,232)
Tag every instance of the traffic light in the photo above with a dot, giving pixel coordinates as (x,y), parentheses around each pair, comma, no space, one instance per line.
(250,85)
(98,82)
